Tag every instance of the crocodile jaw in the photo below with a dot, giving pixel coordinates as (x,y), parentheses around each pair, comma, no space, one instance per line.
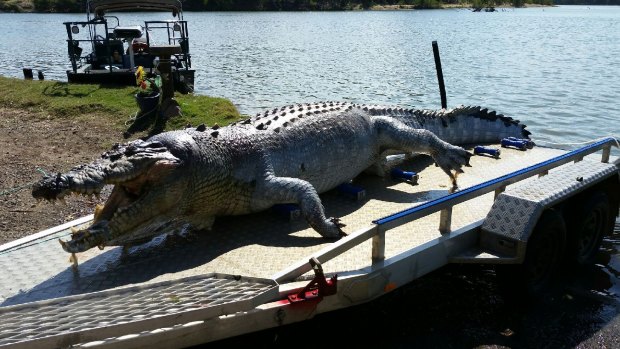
(136,208)
(143,173)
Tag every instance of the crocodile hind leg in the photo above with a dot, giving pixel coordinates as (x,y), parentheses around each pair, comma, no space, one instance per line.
(394,134)
(279,190)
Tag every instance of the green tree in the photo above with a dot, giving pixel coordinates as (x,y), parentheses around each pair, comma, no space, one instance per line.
(67,6)
(367,4)
(42,5)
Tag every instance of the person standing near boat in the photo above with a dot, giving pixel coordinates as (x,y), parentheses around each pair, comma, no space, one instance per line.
(117,58)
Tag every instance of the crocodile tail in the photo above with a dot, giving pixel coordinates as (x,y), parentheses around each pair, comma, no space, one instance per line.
(469,125)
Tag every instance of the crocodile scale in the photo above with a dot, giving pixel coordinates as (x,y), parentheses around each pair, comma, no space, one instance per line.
(187,178)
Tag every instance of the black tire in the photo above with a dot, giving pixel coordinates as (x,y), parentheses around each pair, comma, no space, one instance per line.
(590,222)
(544,254)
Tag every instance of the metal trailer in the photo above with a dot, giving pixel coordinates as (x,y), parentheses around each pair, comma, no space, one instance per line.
(265,270)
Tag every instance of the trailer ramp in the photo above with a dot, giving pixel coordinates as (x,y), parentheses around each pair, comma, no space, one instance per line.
(66,321)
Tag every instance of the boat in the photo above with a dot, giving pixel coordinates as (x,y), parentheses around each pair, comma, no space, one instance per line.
(102,51)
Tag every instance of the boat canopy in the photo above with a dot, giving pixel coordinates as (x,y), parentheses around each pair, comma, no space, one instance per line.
(100,7)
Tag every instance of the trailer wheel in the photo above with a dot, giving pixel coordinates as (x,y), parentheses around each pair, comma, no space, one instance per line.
(592,220)
(543,257)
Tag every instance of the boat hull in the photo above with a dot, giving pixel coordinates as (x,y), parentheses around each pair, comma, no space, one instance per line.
(183,79)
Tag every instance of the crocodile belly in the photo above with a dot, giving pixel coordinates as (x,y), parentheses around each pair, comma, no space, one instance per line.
(326,156)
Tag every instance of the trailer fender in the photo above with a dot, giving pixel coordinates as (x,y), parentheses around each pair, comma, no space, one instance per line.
(515,212)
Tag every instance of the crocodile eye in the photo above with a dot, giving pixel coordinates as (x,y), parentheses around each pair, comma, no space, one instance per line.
(131,150)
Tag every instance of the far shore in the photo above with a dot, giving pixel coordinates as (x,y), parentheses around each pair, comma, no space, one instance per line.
(26,6)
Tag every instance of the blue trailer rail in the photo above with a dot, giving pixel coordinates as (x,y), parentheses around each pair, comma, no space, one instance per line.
(444,205)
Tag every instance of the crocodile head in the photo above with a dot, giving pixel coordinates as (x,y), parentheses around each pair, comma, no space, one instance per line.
(142,173)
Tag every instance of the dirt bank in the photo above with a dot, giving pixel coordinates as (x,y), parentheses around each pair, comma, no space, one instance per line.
(31,144)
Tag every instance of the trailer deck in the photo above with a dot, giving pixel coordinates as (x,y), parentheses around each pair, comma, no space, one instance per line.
(225,282)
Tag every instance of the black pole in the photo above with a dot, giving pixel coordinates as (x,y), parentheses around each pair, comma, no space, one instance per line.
(442,87)
(27,73)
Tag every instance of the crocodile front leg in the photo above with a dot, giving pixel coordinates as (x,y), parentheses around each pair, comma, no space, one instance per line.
(279,190)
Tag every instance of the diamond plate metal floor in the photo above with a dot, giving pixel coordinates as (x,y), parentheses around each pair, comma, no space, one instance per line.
(130,310)
(257,245)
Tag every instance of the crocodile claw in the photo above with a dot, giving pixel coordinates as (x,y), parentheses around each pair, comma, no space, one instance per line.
(82,240)
(469,155)
(339,225)
(451,158)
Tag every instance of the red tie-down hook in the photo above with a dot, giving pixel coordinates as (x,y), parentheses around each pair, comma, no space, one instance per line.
(318,288)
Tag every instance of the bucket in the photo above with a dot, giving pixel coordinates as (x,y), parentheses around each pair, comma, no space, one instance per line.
(147,104)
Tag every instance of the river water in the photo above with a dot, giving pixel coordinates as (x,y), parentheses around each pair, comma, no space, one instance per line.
(555,69)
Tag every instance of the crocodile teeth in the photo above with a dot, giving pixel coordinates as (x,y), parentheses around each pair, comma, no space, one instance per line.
(98,210)
(73,260)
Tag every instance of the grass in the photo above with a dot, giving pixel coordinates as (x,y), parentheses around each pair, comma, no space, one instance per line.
(53,99)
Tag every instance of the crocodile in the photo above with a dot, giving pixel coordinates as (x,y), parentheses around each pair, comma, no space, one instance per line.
(186,178)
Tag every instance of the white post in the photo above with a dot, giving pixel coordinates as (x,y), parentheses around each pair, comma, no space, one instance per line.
(131,61)
(606,153)
(378,246)
(445,220)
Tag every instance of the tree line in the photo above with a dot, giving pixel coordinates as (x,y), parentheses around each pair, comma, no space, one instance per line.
(300,5)
(297,5)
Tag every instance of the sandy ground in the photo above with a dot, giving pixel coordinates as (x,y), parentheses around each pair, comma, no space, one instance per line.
(31,145)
